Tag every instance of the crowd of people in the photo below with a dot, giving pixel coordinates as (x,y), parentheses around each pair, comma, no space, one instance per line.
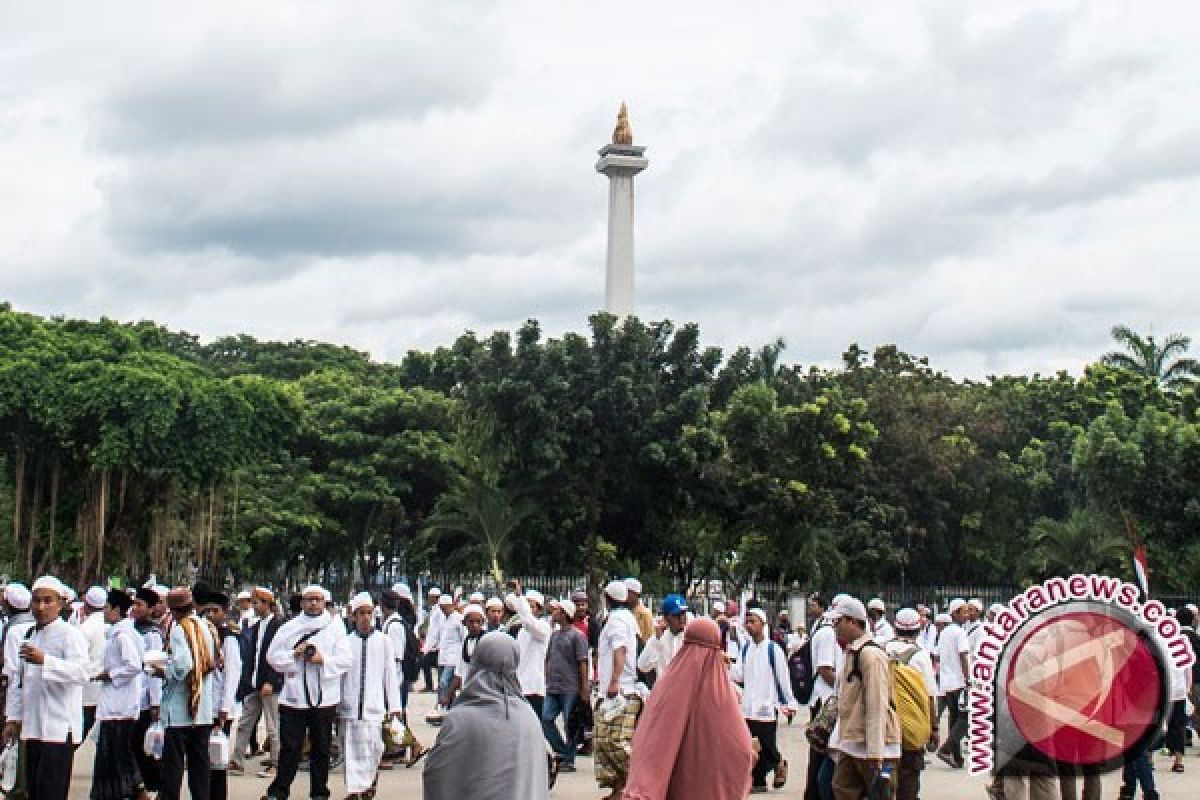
(187,682)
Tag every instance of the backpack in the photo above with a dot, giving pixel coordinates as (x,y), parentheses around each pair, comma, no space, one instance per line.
(410,664)
(911,701)
(908,698)
(800,668)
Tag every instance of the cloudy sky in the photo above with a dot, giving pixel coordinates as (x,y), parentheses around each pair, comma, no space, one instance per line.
(994,185)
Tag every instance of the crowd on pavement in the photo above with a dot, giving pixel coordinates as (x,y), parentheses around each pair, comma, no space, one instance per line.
(176,683)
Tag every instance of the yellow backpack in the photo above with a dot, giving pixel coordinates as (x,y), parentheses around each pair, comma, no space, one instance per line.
(911,701)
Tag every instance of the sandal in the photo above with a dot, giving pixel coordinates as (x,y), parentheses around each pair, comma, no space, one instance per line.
(1177,768)
(418,752)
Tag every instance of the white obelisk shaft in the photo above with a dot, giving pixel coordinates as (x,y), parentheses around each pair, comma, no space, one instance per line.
(620,163)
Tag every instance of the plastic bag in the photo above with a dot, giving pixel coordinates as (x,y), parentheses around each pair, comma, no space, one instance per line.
(613,707)
(218,750)
(152,744)
(8,766)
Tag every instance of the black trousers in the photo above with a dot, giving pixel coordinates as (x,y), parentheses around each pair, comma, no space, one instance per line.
(188,745)
(768,756)
(115,775)
(89,719)
(958,725)
(294,723)
(815,759)
(1176,726)
(48,769)
(536,700)
(428,662)
(147,765)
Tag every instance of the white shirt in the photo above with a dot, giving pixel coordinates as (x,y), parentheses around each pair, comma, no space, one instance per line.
(49,698)
(764,691)
(826,652)
(660,651)
(121,696)
(370,688)
(93,629)
(953,641)
(12,655)
(151,686)
(919,660)
(433,633)
(620,631)
(928,638)
(393,628)
(450,638)
(975,633)
(225,680)
(883,631)
(324,680)
(532,641)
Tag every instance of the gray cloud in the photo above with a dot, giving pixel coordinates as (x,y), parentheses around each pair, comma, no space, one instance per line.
(991,185)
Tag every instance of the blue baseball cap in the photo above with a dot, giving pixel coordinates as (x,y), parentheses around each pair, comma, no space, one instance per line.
(674,604)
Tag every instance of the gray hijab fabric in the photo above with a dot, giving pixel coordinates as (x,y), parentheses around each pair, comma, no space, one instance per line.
(490,746)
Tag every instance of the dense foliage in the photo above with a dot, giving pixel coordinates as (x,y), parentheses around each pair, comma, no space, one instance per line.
(130,448)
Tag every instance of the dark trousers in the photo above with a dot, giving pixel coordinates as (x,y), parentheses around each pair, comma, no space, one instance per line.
(428,662)
(48,769)
(958,725)
(89,719)
(812,789)
(1177,727)
(147,765)
(768,756)
(186,745)
(294,723)
(908,776)
(1137,770)
(536,701)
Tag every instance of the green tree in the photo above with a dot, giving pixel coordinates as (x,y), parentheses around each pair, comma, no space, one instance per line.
(1163,363)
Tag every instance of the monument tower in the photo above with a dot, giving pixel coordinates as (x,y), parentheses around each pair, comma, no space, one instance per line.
(620,161)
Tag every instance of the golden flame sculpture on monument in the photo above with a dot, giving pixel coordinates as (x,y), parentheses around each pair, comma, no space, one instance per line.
(623,134)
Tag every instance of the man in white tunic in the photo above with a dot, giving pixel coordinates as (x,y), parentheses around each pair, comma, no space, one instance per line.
(93,627)
(531,645)
(449,646)
(312,653)
(46,710)
(115,775)
(662,647)
(370,691)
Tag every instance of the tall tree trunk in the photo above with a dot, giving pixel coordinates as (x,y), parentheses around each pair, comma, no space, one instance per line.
(34,516)
(52,537)
(18,488)
(101,518)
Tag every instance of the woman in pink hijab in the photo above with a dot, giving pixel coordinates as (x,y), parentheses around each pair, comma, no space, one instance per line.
(691,741)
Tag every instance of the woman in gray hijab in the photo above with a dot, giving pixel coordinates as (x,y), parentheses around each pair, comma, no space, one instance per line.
(491,745)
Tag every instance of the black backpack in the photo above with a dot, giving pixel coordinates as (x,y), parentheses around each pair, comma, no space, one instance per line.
(800,668)
(410,665)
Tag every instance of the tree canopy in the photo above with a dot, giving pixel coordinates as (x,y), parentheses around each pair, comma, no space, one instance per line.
(131,448)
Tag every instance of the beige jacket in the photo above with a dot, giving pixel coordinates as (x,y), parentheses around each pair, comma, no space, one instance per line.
(865,712)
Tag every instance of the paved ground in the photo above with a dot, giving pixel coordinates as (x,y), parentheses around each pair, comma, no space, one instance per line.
(939,781)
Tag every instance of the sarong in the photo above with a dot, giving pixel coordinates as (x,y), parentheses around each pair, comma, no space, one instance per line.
(115,775)
(364,748)
(613,742)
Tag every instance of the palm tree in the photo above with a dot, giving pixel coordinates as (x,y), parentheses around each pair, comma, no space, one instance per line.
(1157,362)
(1087,541)
(478,508)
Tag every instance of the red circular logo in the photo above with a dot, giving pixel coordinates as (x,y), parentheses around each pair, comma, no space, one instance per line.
(1083,688)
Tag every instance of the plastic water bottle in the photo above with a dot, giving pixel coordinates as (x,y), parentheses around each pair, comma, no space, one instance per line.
(881,787)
